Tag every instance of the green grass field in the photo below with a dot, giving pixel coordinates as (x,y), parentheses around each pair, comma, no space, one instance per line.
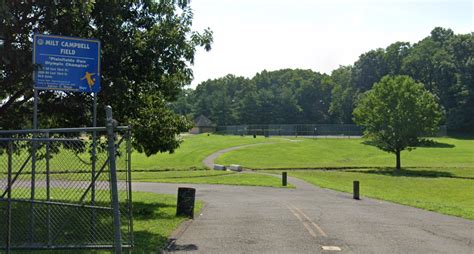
(185,165)
(338,153)
(192,151)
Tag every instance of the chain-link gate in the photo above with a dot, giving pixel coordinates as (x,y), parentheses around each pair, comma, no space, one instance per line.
(62,189)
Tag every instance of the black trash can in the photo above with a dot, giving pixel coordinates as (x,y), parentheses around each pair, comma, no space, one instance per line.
(185,204)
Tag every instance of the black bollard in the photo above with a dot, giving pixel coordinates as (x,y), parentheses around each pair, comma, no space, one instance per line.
(356,190)
(185,204)
(283,178)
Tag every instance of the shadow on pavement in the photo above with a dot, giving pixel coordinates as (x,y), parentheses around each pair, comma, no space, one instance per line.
(184,247)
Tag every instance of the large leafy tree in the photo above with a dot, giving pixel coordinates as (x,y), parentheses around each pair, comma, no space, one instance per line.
(147,49)
(397,114)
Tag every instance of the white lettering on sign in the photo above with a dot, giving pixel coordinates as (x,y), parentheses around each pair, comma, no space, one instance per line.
(65,44)
(51,43)
(78,45)
(68,51)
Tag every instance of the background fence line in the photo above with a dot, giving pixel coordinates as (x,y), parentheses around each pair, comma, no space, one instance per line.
(349,130)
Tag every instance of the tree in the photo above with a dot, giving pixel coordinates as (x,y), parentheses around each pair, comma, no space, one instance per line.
(394,55)
(219,99)
(147,49)
(184,103)
(368,69)
(397,114)
(314,97)
(342,95)
(444,63)
(461,47)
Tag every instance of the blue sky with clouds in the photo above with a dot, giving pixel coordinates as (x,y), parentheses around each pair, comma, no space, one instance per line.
(252,35)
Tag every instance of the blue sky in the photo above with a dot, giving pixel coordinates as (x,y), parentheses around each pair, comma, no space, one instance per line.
(252,35)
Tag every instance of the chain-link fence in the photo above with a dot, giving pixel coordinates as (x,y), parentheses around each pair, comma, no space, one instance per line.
(348,130)
(292,130)
(62,189)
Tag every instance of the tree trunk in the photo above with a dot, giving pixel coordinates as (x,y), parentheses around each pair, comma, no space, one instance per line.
(398,160)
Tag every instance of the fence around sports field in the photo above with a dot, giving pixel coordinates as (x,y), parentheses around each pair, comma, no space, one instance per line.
(65,189)
(299,130)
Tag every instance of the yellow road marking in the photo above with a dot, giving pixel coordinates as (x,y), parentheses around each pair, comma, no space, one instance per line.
(296,214)
(310,231)
(314,224)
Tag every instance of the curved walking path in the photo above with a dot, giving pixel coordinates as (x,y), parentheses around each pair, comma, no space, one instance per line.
(209,160)
(307,219)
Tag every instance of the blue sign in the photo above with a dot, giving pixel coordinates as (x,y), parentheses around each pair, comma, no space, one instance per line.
(66,63)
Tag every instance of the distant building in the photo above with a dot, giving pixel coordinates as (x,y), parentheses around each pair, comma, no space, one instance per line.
(202,124)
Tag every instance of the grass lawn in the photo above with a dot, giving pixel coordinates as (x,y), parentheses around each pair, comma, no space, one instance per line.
(208,177)
(192,151)
(155,220)
(321,153)
(416,187)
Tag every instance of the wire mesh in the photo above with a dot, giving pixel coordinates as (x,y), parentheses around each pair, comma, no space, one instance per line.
(292,130)
(347,130)
(55,189)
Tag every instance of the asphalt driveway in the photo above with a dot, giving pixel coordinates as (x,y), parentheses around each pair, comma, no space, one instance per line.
(308,219)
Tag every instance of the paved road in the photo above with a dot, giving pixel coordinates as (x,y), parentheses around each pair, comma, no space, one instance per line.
(306,219)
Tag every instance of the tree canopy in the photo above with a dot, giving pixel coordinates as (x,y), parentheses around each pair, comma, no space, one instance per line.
(147,49)
(284,96)
(397,113)
(443,61)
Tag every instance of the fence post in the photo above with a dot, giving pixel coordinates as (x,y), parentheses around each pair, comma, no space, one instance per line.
(110,124)
(129,178)
(9,198)
(284,178)
(48,190)
(33,187)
